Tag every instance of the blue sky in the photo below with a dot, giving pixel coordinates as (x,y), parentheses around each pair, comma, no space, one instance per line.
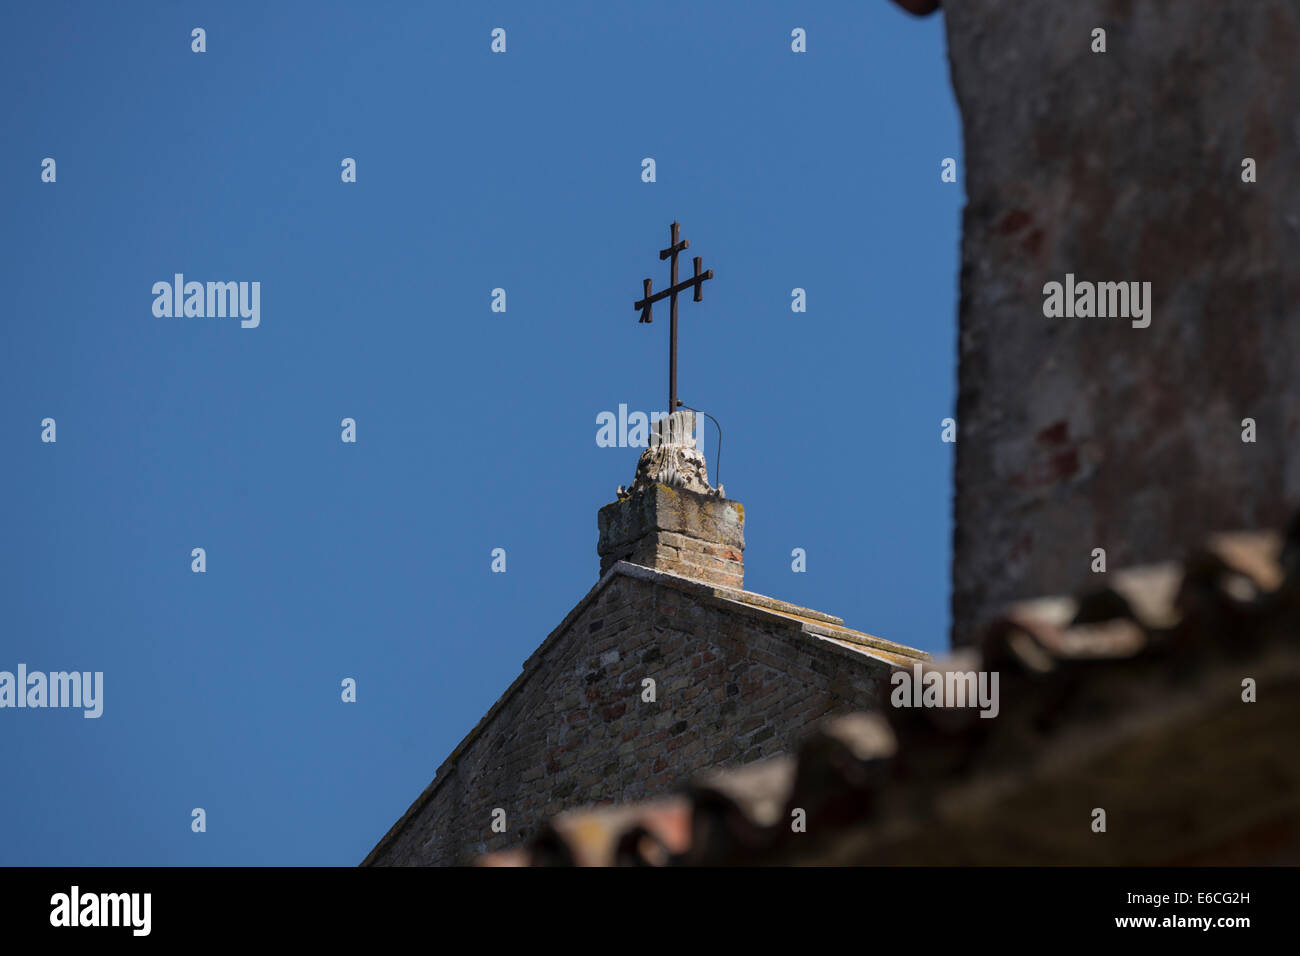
(475,429)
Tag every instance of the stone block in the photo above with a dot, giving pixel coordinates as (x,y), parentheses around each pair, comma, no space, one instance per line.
(675,530)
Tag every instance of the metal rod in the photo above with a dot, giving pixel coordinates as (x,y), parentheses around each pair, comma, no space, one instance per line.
(672,333)
(675,247)
(644,304)
(680,287)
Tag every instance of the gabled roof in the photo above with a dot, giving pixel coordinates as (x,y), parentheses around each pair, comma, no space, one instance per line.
(1127,698)
(815,626)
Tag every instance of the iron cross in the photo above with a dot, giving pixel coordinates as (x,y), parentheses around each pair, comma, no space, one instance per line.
(696,282)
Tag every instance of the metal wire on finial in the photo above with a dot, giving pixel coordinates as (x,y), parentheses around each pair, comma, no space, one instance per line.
(717,462)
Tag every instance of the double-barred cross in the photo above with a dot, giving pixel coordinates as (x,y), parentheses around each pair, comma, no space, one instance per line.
(696,282)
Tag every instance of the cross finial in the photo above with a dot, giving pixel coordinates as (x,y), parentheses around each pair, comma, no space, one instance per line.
(676,245)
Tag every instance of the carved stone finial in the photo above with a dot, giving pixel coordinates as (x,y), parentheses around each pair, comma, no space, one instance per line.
(672,459)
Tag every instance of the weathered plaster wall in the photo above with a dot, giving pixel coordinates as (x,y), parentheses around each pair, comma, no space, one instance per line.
(1077,433)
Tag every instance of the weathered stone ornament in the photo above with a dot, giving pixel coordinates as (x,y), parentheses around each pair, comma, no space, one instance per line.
(670,518)
(672,459)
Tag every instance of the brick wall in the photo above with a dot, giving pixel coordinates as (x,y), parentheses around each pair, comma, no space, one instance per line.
(732,685)
(698,536)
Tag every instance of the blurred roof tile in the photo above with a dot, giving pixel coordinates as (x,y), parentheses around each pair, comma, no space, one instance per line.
(1073,668)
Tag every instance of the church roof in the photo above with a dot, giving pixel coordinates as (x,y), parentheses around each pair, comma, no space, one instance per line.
(800,623)
(1129,699)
